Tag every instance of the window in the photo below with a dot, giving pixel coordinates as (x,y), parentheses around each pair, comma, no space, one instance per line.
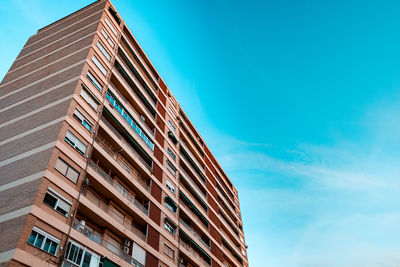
(80,256)
(89,98)
(99,65)
(111,27)
(104,51)
(169,226)
(172,125)
(172,137)
(66,170)
(173,112)
(44,241)
(171,204)
(75,143)
(94,81)
(114,14)
(172,154)
(169,251)
(57,202)
(170,186)
(139,254)
(171,167)
(82,119)
(105,35)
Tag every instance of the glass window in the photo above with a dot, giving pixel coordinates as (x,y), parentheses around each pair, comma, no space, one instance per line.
(107,38)
(57,203)
(92,101)
(171,167)
(170,186)
(66,170)
(172,125)
(111,27)
(44,241)
(99,65)
(94,81)
(172,154)
(71,139)
(169,226)
(83,120)
(171,204)
(169,251)
(80,256)
(104,51)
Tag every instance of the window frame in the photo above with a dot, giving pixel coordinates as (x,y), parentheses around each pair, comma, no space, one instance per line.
(168,224)
(171,153)
(76,143)
(169,249)
(82,119)
(170,186)
(46,236)
(107,37)
(171,167)
(99,65)
(103,50)
(68,167)
(94,81)
(108,22)
(59,198)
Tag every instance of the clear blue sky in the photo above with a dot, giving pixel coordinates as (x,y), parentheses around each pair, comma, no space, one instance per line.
(300,103)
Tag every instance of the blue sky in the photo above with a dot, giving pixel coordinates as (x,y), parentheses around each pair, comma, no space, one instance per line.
(300,103)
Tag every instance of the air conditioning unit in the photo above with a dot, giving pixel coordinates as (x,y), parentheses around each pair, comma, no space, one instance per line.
(126,250)
(127,242)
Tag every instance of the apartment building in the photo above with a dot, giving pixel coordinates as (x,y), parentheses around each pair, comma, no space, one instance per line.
(99,164)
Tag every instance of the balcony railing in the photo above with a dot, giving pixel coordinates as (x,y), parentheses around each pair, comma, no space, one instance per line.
(192,252)
(119,188)
(123,163)
(96,201)
(187,162)
(222,218)
(104,243)
(196,235)
(126,144)
(192,183)
(132,109)
(125,116)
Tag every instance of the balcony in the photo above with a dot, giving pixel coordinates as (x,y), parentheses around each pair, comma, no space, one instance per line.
(104,243)
(133,173)
(194,158)
(188,248)
(194,233)
(121,189)
(127,118)
(104,207)
(192,183)
(125,144)
(133,111)
(196,172)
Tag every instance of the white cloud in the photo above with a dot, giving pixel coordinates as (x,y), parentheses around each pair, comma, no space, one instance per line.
(320,205)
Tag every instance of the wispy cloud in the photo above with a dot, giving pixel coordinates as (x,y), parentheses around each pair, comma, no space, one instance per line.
(322,205)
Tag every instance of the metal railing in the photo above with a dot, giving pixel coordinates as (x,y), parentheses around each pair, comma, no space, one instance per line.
(120,188)
(95,200)
(127,103)
(187,162)
(126,144)
(192,252)
(196,235)
(192,183)
(104,243)
(123,163)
